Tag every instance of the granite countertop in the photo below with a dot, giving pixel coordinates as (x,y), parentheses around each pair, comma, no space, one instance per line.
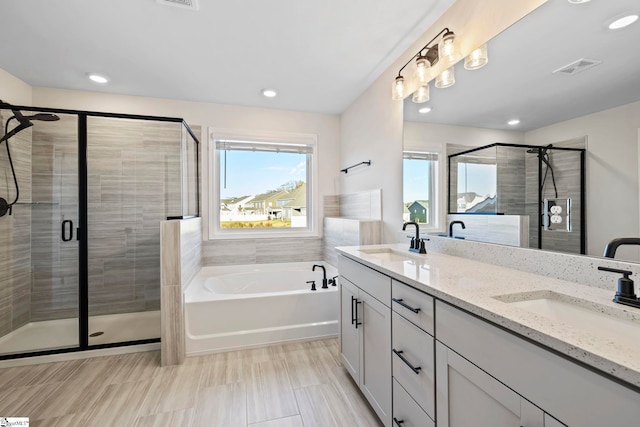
(489,292)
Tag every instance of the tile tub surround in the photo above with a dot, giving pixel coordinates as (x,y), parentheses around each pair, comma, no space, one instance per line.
(472,286)
(349,232)
(181,255)
(361,205)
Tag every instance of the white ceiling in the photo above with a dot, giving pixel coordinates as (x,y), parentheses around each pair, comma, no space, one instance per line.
(518,81)
(319,55)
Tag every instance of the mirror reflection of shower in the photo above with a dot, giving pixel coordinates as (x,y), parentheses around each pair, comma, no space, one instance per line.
(23,122)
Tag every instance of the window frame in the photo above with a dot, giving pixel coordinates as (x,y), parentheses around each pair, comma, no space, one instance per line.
(438,181)
(214,231)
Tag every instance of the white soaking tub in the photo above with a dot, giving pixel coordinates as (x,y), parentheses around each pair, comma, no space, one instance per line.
(231,307)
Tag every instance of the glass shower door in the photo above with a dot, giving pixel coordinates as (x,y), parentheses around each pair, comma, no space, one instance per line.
(39,276)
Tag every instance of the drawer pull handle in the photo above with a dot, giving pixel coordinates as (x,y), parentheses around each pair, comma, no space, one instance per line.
(413,368)
(398,422)
(399,301)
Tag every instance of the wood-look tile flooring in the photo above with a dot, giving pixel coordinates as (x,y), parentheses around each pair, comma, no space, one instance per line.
(288,385)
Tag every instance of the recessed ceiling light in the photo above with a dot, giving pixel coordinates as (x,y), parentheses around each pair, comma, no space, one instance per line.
(269,93)
(513,122)
(98,78)
(579,1)
(623,21)
(424,110)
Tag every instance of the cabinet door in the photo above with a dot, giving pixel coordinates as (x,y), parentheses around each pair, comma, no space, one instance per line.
(468,396)
(349,334)
(375,361)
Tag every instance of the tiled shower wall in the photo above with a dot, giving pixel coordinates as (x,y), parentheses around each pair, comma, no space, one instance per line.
(566,167)
(133,184)
(15,233)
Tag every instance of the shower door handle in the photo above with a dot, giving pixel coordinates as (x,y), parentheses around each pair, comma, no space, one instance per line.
(67,236)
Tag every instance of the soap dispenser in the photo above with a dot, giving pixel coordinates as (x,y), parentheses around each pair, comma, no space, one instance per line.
(625,294)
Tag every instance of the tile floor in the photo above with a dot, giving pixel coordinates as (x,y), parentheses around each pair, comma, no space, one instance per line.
(296,384)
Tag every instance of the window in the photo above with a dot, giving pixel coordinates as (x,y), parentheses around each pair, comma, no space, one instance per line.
(420,183)
(262,186)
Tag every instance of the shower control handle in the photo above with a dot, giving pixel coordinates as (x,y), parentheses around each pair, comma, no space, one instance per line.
(67,236)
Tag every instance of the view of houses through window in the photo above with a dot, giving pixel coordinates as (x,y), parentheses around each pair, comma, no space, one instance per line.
(263,185)
(419,187)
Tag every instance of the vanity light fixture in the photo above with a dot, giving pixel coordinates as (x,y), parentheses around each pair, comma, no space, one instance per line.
(477,59)
(446,50)
(425,58)
(623,21)
(98,78)
(269,93)
(446,78)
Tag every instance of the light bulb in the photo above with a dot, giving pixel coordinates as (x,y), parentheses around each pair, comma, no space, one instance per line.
(422,68)
(447,48)
(446,78)
(397,90)
(421,95)
(478,58)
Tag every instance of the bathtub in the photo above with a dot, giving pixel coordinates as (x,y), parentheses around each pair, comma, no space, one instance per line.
(232,307)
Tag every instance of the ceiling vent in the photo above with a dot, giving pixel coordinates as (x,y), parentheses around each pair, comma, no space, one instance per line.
(184,4)
(577,66)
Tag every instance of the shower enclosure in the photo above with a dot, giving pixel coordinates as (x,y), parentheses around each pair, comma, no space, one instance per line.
(545,183)
(80,231)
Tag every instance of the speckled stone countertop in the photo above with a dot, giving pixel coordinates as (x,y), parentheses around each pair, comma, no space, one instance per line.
(489,292)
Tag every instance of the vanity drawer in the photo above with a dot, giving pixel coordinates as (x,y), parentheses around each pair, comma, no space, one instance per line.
(375,284)
(406,412)
(416,347)
(406,300)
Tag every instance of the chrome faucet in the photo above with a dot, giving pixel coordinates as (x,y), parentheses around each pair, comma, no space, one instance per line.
(325,281)
(452,223)
(417,244)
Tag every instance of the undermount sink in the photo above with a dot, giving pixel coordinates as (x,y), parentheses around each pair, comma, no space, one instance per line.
(622,325)
(389,254)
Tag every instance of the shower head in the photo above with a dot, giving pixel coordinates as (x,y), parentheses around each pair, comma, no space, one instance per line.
(45,117)
(26,122)
(533,150)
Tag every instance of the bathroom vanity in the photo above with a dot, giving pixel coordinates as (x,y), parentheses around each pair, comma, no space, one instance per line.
(440,340)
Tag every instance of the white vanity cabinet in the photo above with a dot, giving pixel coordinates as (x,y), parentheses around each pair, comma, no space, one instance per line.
(478,361)
(365,332)
(468,396)
(413,355)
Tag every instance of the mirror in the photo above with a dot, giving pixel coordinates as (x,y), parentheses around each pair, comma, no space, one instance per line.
(566,77)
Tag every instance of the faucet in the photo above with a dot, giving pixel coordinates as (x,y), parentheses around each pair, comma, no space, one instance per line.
(417,244)
(612,246)
(625,294)
(452,223)
(325,282)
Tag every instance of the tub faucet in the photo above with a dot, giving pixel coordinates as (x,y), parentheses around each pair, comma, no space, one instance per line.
(325,282)
(452,223)
(417,244)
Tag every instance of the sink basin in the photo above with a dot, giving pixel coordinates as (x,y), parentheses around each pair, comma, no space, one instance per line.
(597,319)
(388,254)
